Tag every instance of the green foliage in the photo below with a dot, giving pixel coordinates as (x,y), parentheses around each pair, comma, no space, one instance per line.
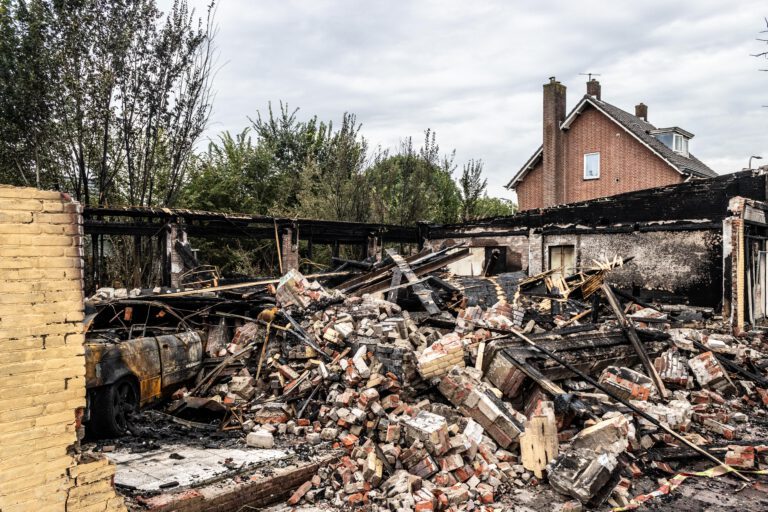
(233,175)
(413,186)
(472,186)
(332,185)
(494,207)
(26,93)
(102,98)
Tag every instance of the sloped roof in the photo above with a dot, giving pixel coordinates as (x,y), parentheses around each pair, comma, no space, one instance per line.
(637,127)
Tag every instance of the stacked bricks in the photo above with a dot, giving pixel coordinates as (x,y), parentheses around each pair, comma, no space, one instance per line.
(397,358)
(740,456)
(42,365)
(475,399)
(441,356)
(672,368)
(93,487)
(626,383)
(710,374)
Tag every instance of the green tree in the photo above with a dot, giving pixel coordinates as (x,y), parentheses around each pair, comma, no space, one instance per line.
(233,175)
(26,93)
(293,145)
(494,207)
(333,186)
(103,98)
(472,186)
(414,185)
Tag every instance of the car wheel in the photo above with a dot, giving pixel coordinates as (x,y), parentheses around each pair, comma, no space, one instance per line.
(114,407)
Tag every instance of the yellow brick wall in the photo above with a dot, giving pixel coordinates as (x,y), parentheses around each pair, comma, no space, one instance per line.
(42,365)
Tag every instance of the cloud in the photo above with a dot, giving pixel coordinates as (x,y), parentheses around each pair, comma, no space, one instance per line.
(473,71)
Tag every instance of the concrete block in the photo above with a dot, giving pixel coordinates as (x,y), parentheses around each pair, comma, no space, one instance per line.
(260,439)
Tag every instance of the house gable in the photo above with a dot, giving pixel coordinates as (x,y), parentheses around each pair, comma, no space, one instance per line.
(626,164)
(625,153)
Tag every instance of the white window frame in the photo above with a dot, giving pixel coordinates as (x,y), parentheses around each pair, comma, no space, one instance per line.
(683,144)
(586,157)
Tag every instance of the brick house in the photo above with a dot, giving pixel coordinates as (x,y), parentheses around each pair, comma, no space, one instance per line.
(600,150)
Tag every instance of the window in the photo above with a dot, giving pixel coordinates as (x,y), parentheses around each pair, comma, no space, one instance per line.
(680,144)
(591,166)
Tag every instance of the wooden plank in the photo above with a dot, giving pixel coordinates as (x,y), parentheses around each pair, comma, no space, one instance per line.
(370,277)
(629,405)
(427,267)
(535,375)
(538,444)
(629,330)
(237,286)
(394,285)
(422,292)
(380,276)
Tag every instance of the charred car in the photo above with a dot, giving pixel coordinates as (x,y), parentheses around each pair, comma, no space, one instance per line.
(137,353)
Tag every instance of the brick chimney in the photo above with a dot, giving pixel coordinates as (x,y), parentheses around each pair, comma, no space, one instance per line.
(641,111)
(553,182)
(593,88)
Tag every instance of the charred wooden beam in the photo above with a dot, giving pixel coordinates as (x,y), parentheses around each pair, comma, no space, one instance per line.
(629,330)
(686,205)
(422,292)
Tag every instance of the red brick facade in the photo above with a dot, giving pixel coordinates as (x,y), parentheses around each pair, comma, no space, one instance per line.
(529,195)
(625,164)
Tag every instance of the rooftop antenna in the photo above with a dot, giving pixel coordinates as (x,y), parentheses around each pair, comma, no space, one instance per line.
(590,75)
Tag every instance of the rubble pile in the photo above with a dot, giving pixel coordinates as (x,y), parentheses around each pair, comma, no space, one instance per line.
(459,409)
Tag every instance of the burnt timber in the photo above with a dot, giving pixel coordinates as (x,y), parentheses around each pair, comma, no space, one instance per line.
(148,221)
(172,227)
(691,205)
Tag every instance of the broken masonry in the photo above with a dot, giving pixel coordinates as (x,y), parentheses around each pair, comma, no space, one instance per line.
(426,400)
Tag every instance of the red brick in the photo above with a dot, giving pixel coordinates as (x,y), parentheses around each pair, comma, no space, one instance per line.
(299,493)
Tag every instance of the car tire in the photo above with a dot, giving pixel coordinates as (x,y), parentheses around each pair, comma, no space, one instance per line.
(113,408)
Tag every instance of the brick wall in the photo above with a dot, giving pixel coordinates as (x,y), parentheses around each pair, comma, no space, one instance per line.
(554,114)
(528,191)
(42,365)
(625,164)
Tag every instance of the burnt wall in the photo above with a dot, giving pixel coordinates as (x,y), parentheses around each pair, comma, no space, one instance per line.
(674,234)
(683,265)
(693,201)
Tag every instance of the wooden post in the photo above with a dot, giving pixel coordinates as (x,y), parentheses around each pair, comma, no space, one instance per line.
(174,266)
(373,249)
(166,247)
(629,331)
(538,444)
(289,250)
(422,292)
(397,277)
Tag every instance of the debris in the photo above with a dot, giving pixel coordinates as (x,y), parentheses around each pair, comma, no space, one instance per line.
(538,444)
(591,461)
(626,383)
(260,439)
(434,402)
(710,374)
(441,356)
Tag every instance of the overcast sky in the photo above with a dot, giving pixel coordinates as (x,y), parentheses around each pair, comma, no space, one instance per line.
(473,71)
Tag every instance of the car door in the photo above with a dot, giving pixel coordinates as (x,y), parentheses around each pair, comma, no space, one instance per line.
(181,355)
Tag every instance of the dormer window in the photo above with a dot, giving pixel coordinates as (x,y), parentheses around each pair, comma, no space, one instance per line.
(674,138)
(679,144)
